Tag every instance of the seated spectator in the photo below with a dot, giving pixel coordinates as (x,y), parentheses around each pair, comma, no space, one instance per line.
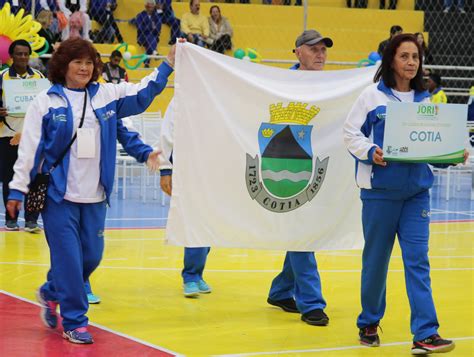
(449,3)
(194,26)
(357,3)
(102,11)
(148,23)
(391,6)
(112,72)
(51,5)
(16,5)
(220,31)
(45,18)
(168,17)
(79,22)
(394,31)
(434,86)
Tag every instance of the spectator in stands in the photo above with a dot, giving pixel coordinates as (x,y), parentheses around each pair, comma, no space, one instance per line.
(148,23)
(391,6)
(220,31)
(11,128)
(102,11)
(112,72)
(51,5)
(449,3)
(45,18)
(427,58)
(297,288)
(394,31)
(434,86)
(79,22)
(357,3)
(16,5)
(164,7)
(195,27)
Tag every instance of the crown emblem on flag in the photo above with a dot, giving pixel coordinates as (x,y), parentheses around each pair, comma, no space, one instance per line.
(295,112)
(266,133)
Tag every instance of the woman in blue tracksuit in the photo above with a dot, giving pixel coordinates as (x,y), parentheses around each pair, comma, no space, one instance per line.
(80,186)
(395,200)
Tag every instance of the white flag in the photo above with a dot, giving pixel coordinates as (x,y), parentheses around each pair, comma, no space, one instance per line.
(259,158)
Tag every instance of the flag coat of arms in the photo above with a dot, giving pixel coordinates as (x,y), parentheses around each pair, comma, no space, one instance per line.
(259,159)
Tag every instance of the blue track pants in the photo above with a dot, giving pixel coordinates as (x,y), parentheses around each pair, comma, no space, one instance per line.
(75,235)
(300,280)
(409,219)
(194,263)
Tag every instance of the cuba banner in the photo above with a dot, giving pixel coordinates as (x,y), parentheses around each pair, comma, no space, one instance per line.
(19,93)
(425,132)
(259,158)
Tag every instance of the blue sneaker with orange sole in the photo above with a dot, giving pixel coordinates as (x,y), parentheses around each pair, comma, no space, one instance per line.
(79,335)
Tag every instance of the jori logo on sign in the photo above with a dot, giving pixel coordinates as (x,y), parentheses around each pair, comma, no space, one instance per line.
(427,110)
(29,84)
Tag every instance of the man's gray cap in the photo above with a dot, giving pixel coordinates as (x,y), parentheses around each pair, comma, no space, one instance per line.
(312,37)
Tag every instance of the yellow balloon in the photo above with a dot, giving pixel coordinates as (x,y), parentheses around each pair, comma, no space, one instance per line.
(17,27)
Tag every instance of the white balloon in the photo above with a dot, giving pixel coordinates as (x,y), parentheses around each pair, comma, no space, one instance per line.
(246,58)
(127,56)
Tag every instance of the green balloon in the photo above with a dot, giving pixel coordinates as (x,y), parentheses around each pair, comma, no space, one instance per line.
(252,53)
(239,53)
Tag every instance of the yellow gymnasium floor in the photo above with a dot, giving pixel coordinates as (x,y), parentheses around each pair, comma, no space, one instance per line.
(140,286)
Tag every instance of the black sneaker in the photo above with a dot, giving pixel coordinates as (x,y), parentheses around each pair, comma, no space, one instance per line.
(368,336)
(12,226)
(432,344)
(316,318)
(32,227)
(288,305)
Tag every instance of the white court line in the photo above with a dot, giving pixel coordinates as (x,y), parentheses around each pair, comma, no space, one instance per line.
(132,239)
(236,271)
(136,219)
(336,254)
(156,347)
(451,232)
(344,348)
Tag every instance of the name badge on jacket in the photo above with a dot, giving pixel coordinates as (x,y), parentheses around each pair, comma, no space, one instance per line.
(85,143)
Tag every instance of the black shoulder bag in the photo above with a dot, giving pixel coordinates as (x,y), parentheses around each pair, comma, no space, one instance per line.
(39,186)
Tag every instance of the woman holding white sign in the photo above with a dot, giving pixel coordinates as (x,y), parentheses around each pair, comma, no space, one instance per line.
(395,200)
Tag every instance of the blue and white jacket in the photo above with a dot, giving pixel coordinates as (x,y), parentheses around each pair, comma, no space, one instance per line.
(48,129)
(364,131)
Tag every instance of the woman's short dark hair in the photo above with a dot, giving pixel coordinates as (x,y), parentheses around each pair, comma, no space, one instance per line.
(214,7)
(385,71)
(68,51)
